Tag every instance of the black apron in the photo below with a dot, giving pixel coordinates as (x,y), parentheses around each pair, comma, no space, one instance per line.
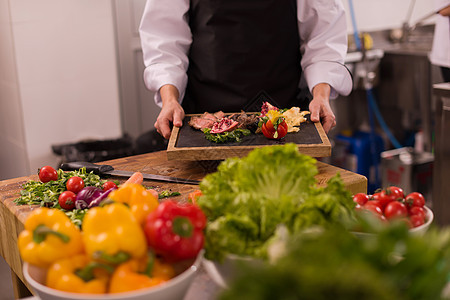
(239,49)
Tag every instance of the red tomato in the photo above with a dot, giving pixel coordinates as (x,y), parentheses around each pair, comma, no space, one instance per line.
(108,185)
(269,131)
(415,199)
(416,210)
(47,174)
(395,209)
(361,198)
(398,192)
(417,220)
(373,206)
(375,196)
(75,184)
(67,200)
(386,196)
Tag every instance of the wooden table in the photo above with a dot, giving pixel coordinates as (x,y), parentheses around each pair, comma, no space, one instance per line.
(12,216)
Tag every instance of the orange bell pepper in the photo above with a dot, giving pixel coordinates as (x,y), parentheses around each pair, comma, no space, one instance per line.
(137,274)
(140,201)
(78,274)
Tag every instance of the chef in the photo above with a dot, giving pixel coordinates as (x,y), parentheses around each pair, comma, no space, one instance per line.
(211,55)
(440,53)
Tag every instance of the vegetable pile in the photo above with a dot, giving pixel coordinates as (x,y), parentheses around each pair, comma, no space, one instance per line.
(128,242)
(247,199)
(59,189)
(391,204)
(73,192)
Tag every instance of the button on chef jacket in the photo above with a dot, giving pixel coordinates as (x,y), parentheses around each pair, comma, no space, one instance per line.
(221,53)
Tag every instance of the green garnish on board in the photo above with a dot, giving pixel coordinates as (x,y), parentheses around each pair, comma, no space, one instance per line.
(225,137)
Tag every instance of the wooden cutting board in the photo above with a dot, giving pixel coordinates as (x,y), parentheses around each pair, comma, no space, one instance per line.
(13,216)
(187,143)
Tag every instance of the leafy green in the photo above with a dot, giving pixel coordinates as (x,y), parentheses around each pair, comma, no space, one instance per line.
(246,199)
(77,215)
(167,194)
(46,194)
(334,264)
(224,137)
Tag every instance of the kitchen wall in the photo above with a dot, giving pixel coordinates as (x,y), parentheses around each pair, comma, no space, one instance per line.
(386,14)
(58,79)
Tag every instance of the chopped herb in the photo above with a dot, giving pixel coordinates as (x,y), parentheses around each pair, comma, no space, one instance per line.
(167,194)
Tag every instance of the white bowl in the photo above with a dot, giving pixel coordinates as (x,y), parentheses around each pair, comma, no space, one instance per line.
(223,273)
(420,230)
(429,216)
(174,289)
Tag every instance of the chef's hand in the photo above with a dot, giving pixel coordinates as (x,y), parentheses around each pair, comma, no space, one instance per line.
(171,111)
(320,106)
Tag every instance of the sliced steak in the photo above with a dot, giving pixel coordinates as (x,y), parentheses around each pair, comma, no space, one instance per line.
(206,120)
(201,123)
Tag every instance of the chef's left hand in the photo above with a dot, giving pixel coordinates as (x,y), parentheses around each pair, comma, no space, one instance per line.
(320,107)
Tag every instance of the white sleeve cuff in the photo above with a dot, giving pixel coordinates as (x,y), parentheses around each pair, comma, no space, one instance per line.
(157,75)
(333,73)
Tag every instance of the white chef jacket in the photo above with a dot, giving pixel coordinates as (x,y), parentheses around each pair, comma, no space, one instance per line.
(166,38)
(440,53)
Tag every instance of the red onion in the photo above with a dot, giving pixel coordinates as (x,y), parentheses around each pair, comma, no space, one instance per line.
(86,196)
(99,199)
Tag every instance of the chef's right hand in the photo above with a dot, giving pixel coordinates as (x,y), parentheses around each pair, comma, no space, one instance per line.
(171,111)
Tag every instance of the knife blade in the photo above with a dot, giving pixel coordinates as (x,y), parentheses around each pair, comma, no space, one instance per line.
(109,170)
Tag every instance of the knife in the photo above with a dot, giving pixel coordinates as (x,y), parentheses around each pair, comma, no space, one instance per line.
(109,170)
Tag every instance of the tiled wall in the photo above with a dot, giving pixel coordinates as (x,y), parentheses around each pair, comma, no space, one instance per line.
(58,79)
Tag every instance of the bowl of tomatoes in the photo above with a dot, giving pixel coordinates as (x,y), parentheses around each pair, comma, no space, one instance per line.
(392,204)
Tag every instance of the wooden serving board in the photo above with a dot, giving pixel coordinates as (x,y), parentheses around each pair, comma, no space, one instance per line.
(187,143)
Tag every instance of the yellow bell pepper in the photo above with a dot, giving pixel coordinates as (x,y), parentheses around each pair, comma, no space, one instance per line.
(79,274)
(140,201)
(111,234)
(49,235)
(142,273)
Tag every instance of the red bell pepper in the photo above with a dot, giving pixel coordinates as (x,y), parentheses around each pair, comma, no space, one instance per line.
(175,230)
(273,125)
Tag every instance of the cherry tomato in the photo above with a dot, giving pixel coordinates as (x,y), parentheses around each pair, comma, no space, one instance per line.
(417,220)
(75,184)
(415,199)
(373,206)
(269,130)
(395,209)
(375,196)
(108,185)
(416,210)
(386,196)
(67,200)
(398,192)
(361,198)
(47,174)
